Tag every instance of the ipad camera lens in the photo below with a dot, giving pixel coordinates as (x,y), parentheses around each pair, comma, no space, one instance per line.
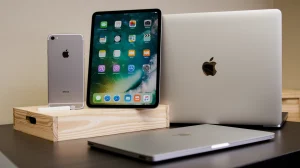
(52,37)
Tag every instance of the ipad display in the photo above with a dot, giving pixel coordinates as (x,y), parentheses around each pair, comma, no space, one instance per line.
(124,59)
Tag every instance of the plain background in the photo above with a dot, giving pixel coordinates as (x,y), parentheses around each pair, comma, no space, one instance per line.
(25,26)
(290,42)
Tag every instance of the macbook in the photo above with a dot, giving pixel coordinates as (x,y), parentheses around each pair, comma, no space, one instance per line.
(5,162)
(159,145)
(223,67)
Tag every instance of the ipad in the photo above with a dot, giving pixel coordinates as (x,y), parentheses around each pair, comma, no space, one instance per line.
(164,144)
(124,62)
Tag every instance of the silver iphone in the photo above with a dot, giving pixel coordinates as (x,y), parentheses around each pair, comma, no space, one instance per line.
(66,70)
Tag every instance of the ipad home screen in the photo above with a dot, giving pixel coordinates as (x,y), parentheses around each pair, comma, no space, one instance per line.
(124,59)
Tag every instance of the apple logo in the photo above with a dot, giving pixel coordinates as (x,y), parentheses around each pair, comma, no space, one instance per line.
(65,54)
(209,67)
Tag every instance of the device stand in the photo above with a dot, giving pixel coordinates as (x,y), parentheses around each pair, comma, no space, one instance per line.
(89,122)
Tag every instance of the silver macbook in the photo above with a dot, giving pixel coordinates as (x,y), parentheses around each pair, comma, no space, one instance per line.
(5,162)
(159,145)
(223,67)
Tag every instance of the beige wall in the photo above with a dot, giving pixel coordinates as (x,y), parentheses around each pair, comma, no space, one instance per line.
(290,42)
(25,25)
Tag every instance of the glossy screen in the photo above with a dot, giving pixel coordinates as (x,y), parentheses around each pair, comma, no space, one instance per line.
(124,58)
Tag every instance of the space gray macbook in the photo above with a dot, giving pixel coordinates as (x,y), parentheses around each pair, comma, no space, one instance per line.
(159,145)
(223,67)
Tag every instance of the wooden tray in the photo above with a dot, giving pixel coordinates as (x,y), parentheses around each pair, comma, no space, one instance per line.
(88,122)
(291,104)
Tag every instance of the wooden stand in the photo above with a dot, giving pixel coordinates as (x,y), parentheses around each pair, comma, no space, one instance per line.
(85,123)
(291,104)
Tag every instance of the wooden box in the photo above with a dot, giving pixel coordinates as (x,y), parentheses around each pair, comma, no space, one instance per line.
(85,123)
(291,104)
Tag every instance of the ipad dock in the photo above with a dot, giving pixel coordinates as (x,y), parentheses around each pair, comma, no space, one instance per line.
(59,125)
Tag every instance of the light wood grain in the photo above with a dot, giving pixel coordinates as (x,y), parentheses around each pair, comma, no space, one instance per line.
(291,108)
(289,93)
(294,119)
(291,104)
(111,122)
(43,127)
(294,115)
(290,101)
(89,122)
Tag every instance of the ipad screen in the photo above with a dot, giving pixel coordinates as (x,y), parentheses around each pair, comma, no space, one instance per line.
(124,58)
